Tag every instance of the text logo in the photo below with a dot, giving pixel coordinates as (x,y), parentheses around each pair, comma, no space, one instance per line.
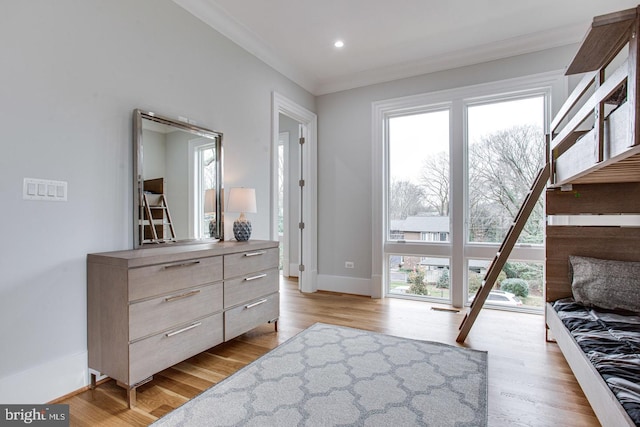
(34,415)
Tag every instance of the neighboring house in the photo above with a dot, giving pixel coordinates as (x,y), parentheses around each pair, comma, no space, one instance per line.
(426,228)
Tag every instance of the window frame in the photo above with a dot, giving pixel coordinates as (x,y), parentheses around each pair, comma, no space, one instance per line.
(458,249)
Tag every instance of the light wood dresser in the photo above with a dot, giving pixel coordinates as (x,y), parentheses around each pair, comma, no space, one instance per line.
(150,308)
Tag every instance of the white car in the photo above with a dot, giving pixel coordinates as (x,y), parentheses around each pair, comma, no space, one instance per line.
(503,298)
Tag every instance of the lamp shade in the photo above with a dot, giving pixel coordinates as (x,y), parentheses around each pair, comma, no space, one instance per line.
(242,200)
(210,201)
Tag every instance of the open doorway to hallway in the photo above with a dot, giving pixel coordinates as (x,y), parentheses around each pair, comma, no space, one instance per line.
(289,195)
(302,180)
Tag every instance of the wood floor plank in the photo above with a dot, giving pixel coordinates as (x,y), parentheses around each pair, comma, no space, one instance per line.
(186,378)
(530,383)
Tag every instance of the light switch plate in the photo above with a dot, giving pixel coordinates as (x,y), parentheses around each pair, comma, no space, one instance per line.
(44,189)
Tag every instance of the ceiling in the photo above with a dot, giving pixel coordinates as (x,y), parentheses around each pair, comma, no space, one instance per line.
(387,40)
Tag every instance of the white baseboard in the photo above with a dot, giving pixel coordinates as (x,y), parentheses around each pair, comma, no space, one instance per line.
(376,286)
(347,285)
(44,383)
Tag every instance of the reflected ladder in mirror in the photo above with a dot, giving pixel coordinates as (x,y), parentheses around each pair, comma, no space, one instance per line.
(157,219)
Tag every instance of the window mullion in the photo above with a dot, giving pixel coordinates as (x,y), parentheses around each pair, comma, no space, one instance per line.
(457,191)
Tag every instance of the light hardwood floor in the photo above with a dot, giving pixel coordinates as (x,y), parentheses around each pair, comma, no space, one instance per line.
(530,383)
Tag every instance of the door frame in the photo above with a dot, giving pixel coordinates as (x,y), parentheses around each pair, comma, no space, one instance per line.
(284,140)
(307,279)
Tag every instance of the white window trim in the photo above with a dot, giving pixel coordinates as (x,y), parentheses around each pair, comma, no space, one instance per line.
(554,83)
(195,186)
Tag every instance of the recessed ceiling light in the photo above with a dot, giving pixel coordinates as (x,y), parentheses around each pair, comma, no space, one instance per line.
(339,43)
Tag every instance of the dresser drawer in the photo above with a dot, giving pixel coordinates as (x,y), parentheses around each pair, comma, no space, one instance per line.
(154,315)
(160,351)
(251,314)
(145,282)
(250,286)
(247,262)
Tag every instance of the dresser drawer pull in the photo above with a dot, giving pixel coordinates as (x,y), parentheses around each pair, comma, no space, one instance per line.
(179,331)
(255,253)
(185,295)
(184,264)
(259,276)
(262,301)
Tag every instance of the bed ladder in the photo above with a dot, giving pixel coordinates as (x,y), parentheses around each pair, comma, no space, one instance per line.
(158,217)
(503,253)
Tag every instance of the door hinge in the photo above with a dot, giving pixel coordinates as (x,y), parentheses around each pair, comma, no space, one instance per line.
(301,225)
(301,140)
(301,183)
(301,267)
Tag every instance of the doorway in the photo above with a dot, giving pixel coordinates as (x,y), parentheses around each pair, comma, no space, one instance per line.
(294,192)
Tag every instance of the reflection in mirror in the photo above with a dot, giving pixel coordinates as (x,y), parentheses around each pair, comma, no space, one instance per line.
(178,188)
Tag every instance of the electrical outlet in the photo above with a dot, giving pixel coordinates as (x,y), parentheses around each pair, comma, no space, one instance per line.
(348,264)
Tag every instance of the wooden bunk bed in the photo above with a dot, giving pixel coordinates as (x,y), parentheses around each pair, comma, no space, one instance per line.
(595,170)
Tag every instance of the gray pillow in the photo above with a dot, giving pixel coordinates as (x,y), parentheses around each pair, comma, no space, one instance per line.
(606,283)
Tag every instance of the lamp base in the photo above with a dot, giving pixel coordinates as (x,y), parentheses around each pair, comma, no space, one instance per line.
(241,230)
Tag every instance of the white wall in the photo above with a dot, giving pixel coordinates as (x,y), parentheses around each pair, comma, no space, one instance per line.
(72,72)
(345,156)
(177,181)
(155,154)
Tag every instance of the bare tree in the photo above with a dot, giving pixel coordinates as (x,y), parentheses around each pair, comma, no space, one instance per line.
(405,199)
(502,167)
(434,177)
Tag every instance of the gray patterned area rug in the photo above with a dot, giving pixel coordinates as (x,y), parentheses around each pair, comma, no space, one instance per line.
(331,375)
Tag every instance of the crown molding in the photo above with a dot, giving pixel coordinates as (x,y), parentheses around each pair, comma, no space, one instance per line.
(217,18)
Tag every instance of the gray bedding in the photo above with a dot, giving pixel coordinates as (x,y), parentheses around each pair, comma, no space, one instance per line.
(611,341)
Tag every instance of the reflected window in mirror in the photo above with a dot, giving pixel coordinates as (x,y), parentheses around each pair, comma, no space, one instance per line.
(204,188)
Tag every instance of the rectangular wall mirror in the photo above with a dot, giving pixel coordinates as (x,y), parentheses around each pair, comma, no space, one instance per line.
(178,186)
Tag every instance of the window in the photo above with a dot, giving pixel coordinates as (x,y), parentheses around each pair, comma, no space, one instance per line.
(519,284)
(419,276)
(505,146)
(418,207)
(455,168)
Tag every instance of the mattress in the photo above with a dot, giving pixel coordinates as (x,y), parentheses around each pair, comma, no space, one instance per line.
(611,341)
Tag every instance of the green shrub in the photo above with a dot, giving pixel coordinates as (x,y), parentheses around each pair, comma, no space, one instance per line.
(443,281)
(475,281)
(416,278)
(518,287)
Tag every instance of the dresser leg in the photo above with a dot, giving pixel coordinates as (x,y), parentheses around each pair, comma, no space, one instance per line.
(275,323)
(131,390)
(93,381)
(131,397)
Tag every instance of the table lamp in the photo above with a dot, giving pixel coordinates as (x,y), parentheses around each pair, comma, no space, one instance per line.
(242,200)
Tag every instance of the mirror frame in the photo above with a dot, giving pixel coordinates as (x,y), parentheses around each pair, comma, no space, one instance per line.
(138,171)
